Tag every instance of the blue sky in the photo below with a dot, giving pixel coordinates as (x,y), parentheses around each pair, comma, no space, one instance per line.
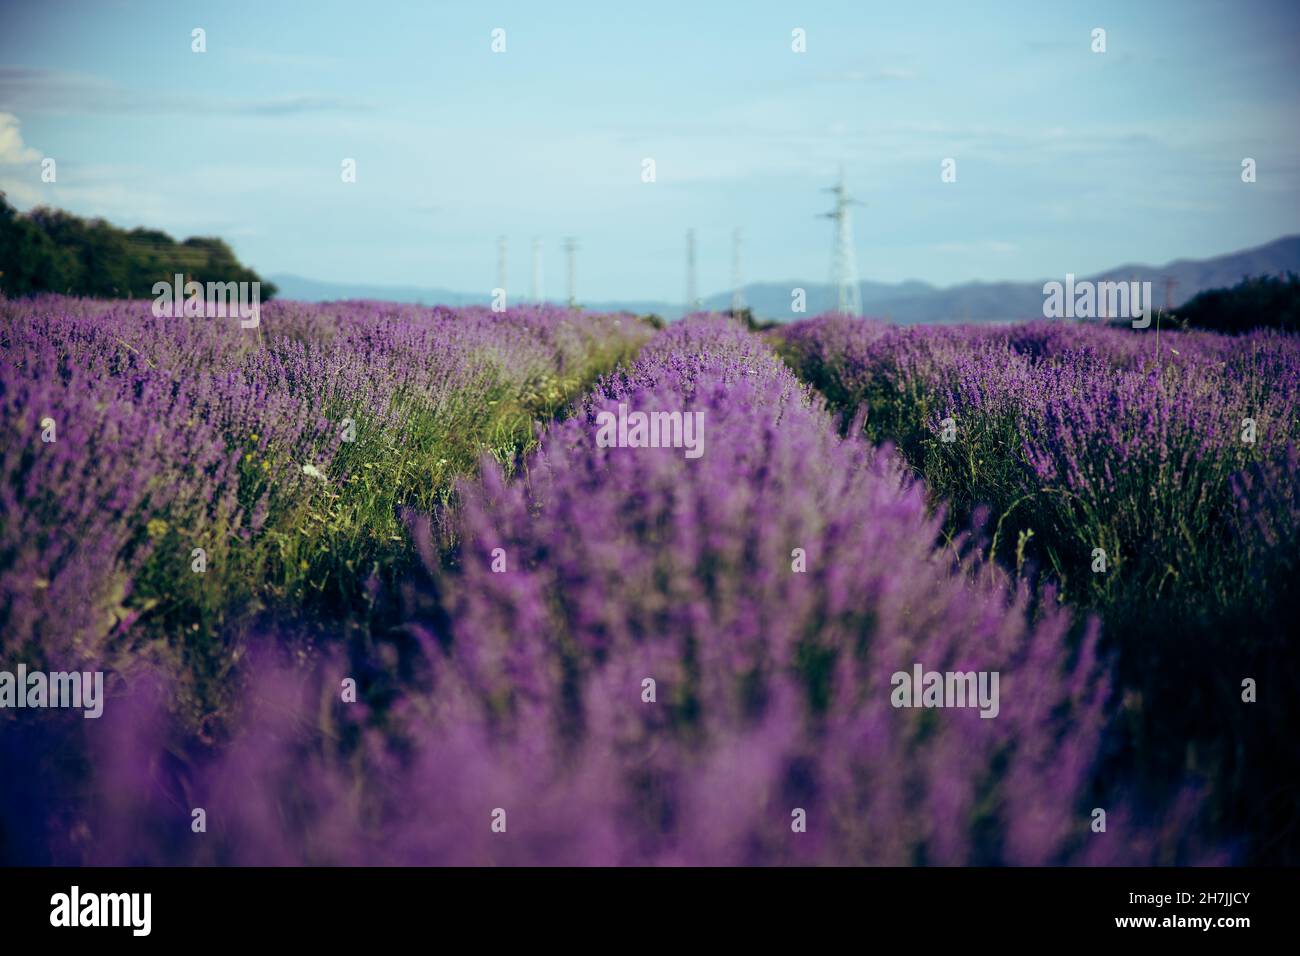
(1067,160)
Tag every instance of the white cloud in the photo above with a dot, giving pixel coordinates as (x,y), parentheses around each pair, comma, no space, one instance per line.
(286,60)
(989,246)
(65,93)
(12,150)
(20,195)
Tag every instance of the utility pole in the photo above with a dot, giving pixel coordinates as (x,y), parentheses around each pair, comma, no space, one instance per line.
(844,263)
(737,282)
(570,251)
(537,291)
(692,295)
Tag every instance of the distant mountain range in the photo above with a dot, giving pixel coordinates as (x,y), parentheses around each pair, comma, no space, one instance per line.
(902,302)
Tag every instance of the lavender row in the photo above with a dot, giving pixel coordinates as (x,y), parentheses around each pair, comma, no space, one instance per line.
(1151,477)
(160,477)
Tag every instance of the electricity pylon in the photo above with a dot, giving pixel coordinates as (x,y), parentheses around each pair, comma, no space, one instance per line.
(571,252)
(737,282)
(501,263)
(692,294)
(844,263)
(537,291)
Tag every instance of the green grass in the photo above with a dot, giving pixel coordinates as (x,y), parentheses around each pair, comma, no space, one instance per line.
(331,544)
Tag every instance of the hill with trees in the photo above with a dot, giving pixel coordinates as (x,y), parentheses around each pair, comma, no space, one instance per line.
(49,250)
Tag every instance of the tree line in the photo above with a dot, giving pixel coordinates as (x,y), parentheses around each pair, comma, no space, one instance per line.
(49,250)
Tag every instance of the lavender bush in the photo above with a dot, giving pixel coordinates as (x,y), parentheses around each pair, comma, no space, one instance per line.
(523,686)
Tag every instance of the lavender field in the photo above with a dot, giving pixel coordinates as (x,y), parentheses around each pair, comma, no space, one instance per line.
(367,588)
(1150,480)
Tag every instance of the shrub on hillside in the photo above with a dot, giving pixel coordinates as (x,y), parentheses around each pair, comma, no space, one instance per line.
(1269,302)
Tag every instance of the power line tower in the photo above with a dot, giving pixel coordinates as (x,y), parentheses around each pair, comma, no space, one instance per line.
(1170,282)
(501,263)
(737,282)
(692,294)
(537,292)
(570,252)
(844,264)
